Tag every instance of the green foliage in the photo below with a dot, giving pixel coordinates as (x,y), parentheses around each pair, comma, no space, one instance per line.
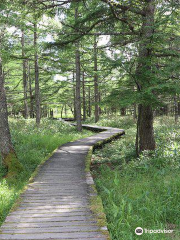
(32,146)
(141,192)
(115,121)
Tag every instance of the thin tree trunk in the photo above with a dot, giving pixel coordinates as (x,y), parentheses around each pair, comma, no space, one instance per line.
(178,108)
(74,93)
(134,108)
(105,109)
(145,134)
(78,83)
(31,94)
(96,94)
(89,101)
(9,158)
(46,111)
(37,89)
(71,109)
(25,78)
(100,110)
(65,110)
(51,113)
(84,98)
(175,109)
(165,110)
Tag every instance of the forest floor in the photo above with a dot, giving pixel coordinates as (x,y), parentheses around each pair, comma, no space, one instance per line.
(33,146)
(140,192)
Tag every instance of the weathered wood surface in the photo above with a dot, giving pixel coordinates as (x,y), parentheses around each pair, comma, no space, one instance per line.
(56,205)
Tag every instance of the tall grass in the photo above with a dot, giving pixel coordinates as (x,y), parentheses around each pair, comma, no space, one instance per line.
(32,145)
(141,192)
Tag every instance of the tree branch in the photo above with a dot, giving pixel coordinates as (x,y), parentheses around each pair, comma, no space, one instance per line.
(124,8)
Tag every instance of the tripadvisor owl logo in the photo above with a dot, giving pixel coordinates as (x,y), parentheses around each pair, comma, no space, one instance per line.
(138,231)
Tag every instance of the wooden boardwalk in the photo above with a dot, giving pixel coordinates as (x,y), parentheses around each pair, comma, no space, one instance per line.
(56,205)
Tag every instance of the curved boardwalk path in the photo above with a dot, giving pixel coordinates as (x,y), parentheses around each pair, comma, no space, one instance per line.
(56,205)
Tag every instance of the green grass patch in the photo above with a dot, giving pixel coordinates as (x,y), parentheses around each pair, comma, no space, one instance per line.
(32,145)
(115,121)
(140,192)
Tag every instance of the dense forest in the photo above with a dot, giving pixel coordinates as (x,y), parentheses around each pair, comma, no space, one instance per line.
(106,62)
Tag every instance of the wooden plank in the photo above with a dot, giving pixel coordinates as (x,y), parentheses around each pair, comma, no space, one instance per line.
(56,205)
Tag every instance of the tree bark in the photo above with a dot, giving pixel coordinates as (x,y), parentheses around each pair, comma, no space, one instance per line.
(37,89)
(96,93)
(145,128)
(89,101)
(134,108)
(100,110)
(25,77)
(9,157)
(78,83)
(31,94)
(74,93)
(84,97)
(145,134)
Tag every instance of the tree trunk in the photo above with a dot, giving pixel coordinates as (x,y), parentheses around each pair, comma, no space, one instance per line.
(37,89)
(96,94)
(9,158)
(100,110)
(31,94)
(65,110)
(84,98)
(178,108)
(78,83)
(51,113)
(89,101)
(145,128)
(74,93)
(71,109)
(175,109)
(145,133)
(134,108)
(25,77)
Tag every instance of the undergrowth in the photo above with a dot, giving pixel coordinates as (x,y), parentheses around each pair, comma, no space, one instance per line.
(140,192)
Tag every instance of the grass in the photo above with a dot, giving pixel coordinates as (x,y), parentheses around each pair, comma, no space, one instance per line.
(140,192)
(113,121)
(32,145)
